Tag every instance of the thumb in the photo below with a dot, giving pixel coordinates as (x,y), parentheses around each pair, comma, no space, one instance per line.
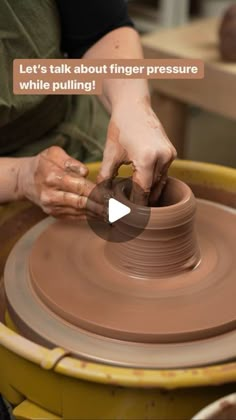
(110,164)
(75,166)
(59,157)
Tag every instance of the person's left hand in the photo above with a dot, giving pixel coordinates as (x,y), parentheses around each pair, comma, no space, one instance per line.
(135,135)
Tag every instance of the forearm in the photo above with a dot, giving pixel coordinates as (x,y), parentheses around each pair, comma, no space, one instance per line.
(10,169)
(122,43)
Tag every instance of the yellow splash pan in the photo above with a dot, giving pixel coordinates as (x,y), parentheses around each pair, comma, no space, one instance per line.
(50,384)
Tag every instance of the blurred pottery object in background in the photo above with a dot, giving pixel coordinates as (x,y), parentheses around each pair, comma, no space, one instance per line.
(228,35)
(223,409)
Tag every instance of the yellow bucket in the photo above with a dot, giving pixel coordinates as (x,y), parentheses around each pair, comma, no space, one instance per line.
(50,384)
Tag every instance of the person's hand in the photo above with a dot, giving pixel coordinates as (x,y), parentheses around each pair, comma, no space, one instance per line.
(57,183)
(135,135)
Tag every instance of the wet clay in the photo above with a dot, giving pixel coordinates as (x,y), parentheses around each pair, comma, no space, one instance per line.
(227,35)
(77,299)
(167,246)
(101,287)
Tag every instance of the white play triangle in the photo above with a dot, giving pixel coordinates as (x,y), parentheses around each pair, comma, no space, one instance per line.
(116,210)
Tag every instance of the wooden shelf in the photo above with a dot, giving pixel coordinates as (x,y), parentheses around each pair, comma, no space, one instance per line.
(198,40)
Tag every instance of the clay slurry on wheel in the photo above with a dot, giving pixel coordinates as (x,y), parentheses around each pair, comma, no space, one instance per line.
(123,220)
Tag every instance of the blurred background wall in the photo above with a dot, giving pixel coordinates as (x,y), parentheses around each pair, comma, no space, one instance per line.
(153,14)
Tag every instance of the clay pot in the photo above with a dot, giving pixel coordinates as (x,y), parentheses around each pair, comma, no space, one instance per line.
(227,35)
(168,243)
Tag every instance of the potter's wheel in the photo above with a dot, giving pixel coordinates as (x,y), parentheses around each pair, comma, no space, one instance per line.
(184,319)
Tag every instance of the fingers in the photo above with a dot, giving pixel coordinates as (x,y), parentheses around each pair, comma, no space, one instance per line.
(150,174)
(113,154)
(142,183)
(143,176)
(60,186)
(59,202)
(111,162)
(68,183)
(164,160)
(62,160)
(67,213)
(80,186)
(63,191)
(157,190)
(160,174)
(74,167)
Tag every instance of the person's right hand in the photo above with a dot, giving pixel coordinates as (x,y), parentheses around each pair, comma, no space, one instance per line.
(57,183)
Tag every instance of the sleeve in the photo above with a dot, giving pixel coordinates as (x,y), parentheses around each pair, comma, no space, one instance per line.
(84,22)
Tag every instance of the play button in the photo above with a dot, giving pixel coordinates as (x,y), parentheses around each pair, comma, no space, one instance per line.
(116,210)
(123,220)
